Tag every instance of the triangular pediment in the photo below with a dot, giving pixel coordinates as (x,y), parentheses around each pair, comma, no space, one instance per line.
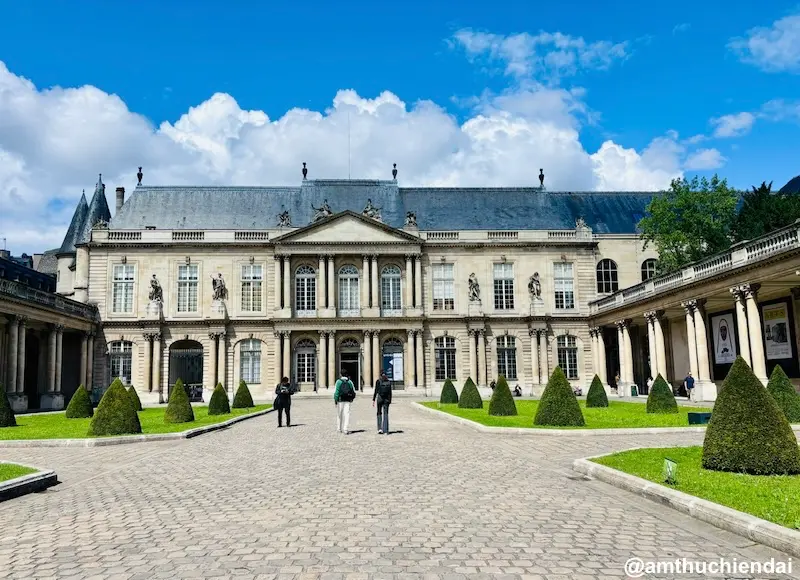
(347,227)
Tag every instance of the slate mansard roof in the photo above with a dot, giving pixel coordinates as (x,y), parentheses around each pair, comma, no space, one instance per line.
(85,216)
(435,208)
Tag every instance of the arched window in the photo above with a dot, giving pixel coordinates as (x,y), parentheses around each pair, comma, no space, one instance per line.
(305,356)
(507,356)
(250,361)
(350,343)
(444,350)
(348,291)
(607,280)
(568,355)
(305,291)
(390,291)
(121,353)
(648,269)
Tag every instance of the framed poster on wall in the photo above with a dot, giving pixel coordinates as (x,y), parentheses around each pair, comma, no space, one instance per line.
(724,341)
(777,334)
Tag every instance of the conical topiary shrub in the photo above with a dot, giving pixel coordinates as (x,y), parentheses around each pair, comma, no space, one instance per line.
(502,402)
(470,397)
(179,409)
(80,405)
(449,395)
(7,418)
(558,406)
(596,397)
(242,399)
(218,405)
(135,401)
(748,432)
(661,399)
(784,394)
(179,383)
(115,414)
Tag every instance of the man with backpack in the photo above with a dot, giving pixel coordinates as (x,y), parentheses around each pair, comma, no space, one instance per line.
(343,394)
(383,396)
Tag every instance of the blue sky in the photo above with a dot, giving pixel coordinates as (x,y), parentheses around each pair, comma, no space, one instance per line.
(677,66)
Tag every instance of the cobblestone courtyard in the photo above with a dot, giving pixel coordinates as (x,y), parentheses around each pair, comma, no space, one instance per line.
(436,500)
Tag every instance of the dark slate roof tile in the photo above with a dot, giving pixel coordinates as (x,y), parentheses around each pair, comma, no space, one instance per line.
(75,227)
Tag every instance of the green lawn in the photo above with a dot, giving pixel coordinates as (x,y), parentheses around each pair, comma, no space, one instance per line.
(617,415)
(57,426)
(773,498)
(10,471)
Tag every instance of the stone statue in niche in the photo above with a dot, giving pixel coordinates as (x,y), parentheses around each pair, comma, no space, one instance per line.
(474,288)
(218,289)
(411,219)
(156,293)
(535,287)
(321,212)
(372,211)
(284,220)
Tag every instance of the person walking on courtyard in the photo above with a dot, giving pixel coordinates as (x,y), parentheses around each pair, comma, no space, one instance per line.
(383,397)
(283,401)
(688,382)
(343,395)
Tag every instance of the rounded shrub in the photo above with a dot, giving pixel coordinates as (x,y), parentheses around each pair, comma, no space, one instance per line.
(179,409)
(7,418)
(218,405)
(661,399)
(470,397)
(748,432)
(115,414)
(449,395)
(135,401)
(596,397)
(784,394)
(243,399)
(558,406)
(80,405)
(502,402)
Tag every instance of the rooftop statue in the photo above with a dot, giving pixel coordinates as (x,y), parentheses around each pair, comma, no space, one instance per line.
(321,212)
(372,211)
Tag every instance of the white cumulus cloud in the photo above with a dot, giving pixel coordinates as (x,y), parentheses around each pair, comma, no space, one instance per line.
(774,48)
(704,159)
(734,125)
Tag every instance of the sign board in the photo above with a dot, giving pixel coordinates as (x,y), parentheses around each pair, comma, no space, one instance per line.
(776,332)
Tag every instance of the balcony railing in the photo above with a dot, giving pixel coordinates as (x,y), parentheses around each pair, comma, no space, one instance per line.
(41,298)
(768,246)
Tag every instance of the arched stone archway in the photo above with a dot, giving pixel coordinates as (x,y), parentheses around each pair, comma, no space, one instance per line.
(186,363)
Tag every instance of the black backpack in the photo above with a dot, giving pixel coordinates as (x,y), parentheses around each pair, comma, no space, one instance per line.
(384,389)
(346,391)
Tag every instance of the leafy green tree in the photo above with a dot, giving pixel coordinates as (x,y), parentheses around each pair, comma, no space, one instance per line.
(502,402)
(448,396)
(470,396)
(135,400)
(179,409)
(80,405)
(763,211)
(691,221)
(782,390)
(661,399)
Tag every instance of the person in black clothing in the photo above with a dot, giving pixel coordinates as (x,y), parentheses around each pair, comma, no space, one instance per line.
(283,401)
(383,396)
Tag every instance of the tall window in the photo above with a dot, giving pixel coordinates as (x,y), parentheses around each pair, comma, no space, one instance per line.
(187,288)
(648,269)
(305,290)
(503,287)
(252,278)
(564,285)
(444,351)
(443,287)
(306,361)
(121,361)
(348,291)
(507,356)
(607,279)
(250,361)
(122,289)
(568,356)
(390,289)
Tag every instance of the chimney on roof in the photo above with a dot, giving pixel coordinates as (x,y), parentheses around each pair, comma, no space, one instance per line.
(120,199)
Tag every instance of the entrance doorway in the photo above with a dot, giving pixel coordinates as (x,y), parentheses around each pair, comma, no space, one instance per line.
(186,364)
(392,361)
(350,361)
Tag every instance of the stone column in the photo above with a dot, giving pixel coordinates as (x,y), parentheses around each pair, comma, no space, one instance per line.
(661,349)
(277,370)
(623,381)
(601,350)
(321,283)
(277,283)
(23,321)
(222,362)
(377,359)
(408,360)
(367,371)
(544,367)
(286,365)
(59,352)
(322,364)
(691,339)
(651,342)
(408,294)
(473,355)
(331,283)
(148,373)
(418,281)
(755,331)
(628,352)
(482,372)
(593,339)
(419,359)
(703,371)
(375,296)
(743,333)
(534,336)
(90,363)
(332,356)
(158,351)
(364,288)
(13,347)
(287,288)
(51,360)
(213,358)
(84,352)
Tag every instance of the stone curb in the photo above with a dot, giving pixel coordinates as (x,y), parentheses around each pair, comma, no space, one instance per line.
(127,439)
(564,432)
(745,525)
(26,484)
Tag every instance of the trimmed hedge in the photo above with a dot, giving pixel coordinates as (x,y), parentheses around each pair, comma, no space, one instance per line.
(135,401)
(558,406)
(115,414)
(7,418)
(661,399)
(596,397)
(470,397)
(218,405)
(502,402)
(242,399)
(784,394)
(748,432)
(179,383)
(80,405)
(179,409)
(449,395)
